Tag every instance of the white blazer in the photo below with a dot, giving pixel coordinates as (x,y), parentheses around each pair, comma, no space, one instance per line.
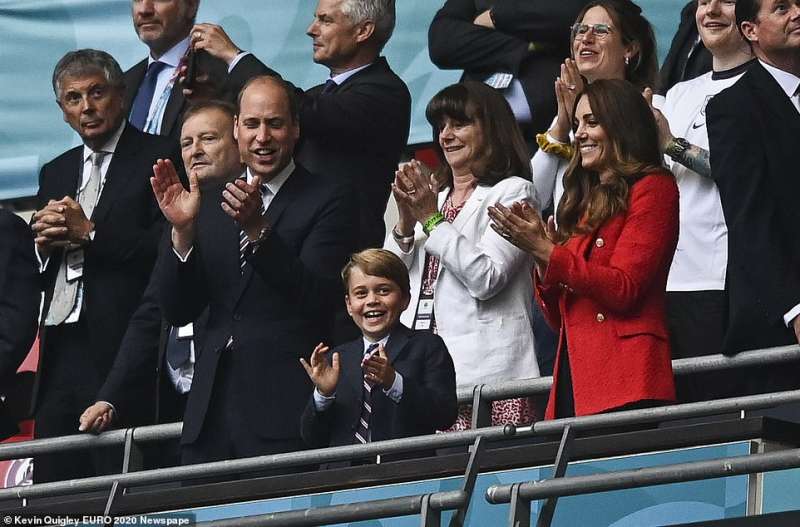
(482,299)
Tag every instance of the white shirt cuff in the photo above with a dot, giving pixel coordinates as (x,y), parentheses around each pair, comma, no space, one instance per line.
(553,140)
(790,316)
(110,405)
(322,403)
(236,60)
(395,393)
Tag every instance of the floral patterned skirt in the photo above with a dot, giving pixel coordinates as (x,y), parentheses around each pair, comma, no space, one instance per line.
(519,412)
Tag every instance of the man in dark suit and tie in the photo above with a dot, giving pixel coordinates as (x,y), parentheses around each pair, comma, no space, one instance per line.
(97,231)
(262,254)
(391,382)
(153,97)
(210,152)
(754,132)
(355,126)
(19,306)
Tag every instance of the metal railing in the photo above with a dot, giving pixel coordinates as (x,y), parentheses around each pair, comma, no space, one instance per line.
(567,427)
(483,393)
(396,446)
(428,506)
(519,495)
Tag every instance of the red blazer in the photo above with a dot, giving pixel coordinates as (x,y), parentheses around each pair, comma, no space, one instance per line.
(606,293)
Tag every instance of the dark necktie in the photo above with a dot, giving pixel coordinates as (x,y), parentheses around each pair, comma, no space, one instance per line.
(362,430)
(178,350)
(144,97)
(244,241)
(330,85)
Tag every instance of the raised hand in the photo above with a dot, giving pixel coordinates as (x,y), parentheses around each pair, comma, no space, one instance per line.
(179,206)
(377,369)
(324,375)
(664,133)
(523,226)
(415,191)
(242,201)
(215,41)
(568,86)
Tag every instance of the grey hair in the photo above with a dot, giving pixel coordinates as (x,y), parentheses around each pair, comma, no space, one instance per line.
(82,62)
(381,12)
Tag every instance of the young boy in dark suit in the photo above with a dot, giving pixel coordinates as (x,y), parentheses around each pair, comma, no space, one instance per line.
(391,383)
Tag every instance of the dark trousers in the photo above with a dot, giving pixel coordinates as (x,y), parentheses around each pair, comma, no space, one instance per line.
(226,434)
(696,322)
(69,383)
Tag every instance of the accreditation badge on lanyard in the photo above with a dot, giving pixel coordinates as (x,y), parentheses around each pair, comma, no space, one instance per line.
(424,318)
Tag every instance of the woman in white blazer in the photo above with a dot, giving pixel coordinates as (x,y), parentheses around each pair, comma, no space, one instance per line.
(478,284)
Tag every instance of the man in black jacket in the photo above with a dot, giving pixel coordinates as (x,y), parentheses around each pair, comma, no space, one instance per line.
(262,254)
(210,152)
(517,47)
(97,231)
(754,130)
(355,126)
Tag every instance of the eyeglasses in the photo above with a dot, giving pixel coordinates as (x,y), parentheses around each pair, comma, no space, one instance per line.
(600,31)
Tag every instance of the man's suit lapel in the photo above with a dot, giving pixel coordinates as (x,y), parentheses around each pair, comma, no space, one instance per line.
(174,106)
(66,184)
(133,78)
(221,231)
(396,345)
(291,187)
(766,89)
(350,358)
(119,173)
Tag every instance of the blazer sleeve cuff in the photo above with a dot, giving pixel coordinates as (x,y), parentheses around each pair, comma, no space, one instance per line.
(791,314)
(557,269)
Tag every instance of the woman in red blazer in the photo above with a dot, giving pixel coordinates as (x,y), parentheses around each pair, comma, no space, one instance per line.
(601,276)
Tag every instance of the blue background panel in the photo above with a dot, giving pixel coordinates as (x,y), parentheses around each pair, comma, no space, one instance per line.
(660,505)
(34,34)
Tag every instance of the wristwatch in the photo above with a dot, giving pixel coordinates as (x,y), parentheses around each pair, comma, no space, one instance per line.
(677,148)
(263,234)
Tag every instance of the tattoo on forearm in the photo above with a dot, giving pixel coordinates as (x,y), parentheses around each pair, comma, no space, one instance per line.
(696,159)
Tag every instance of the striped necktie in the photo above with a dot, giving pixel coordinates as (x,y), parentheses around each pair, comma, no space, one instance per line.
(244,241)
(362,430)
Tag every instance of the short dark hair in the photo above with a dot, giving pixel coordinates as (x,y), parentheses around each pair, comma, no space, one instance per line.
(288,89)
(378,262)
(634,27)
(504,153)
(747,11)
(212,104)
(83,62)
